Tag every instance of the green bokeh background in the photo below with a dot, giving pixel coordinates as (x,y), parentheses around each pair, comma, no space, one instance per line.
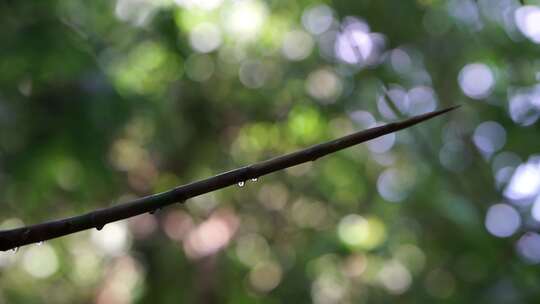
(105,101)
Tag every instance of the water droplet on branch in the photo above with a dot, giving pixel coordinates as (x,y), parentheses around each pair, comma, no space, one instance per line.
(99,227)
(254,179)
(241,184)
(40,243)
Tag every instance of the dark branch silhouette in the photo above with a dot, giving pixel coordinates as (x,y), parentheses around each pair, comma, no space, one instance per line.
(14,238)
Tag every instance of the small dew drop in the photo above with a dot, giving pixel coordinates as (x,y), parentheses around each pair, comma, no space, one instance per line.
(15,249)
(99,228)
(254,179)
(241,184)
(40,243)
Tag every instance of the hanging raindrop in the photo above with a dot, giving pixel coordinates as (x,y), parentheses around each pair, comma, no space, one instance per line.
(254,179)
(40,243)
(15,249)
(99,227)
(241,184)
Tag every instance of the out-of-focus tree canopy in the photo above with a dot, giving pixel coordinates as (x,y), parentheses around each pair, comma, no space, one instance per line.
(104,101)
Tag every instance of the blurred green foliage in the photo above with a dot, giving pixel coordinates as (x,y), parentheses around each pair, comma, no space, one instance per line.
(104,101)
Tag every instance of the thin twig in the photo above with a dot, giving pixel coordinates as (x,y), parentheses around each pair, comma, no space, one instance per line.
(14,238)
(426,151)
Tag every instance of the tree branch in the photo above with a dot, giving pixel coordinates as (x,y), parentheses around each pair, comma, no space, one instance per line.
(14,238)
